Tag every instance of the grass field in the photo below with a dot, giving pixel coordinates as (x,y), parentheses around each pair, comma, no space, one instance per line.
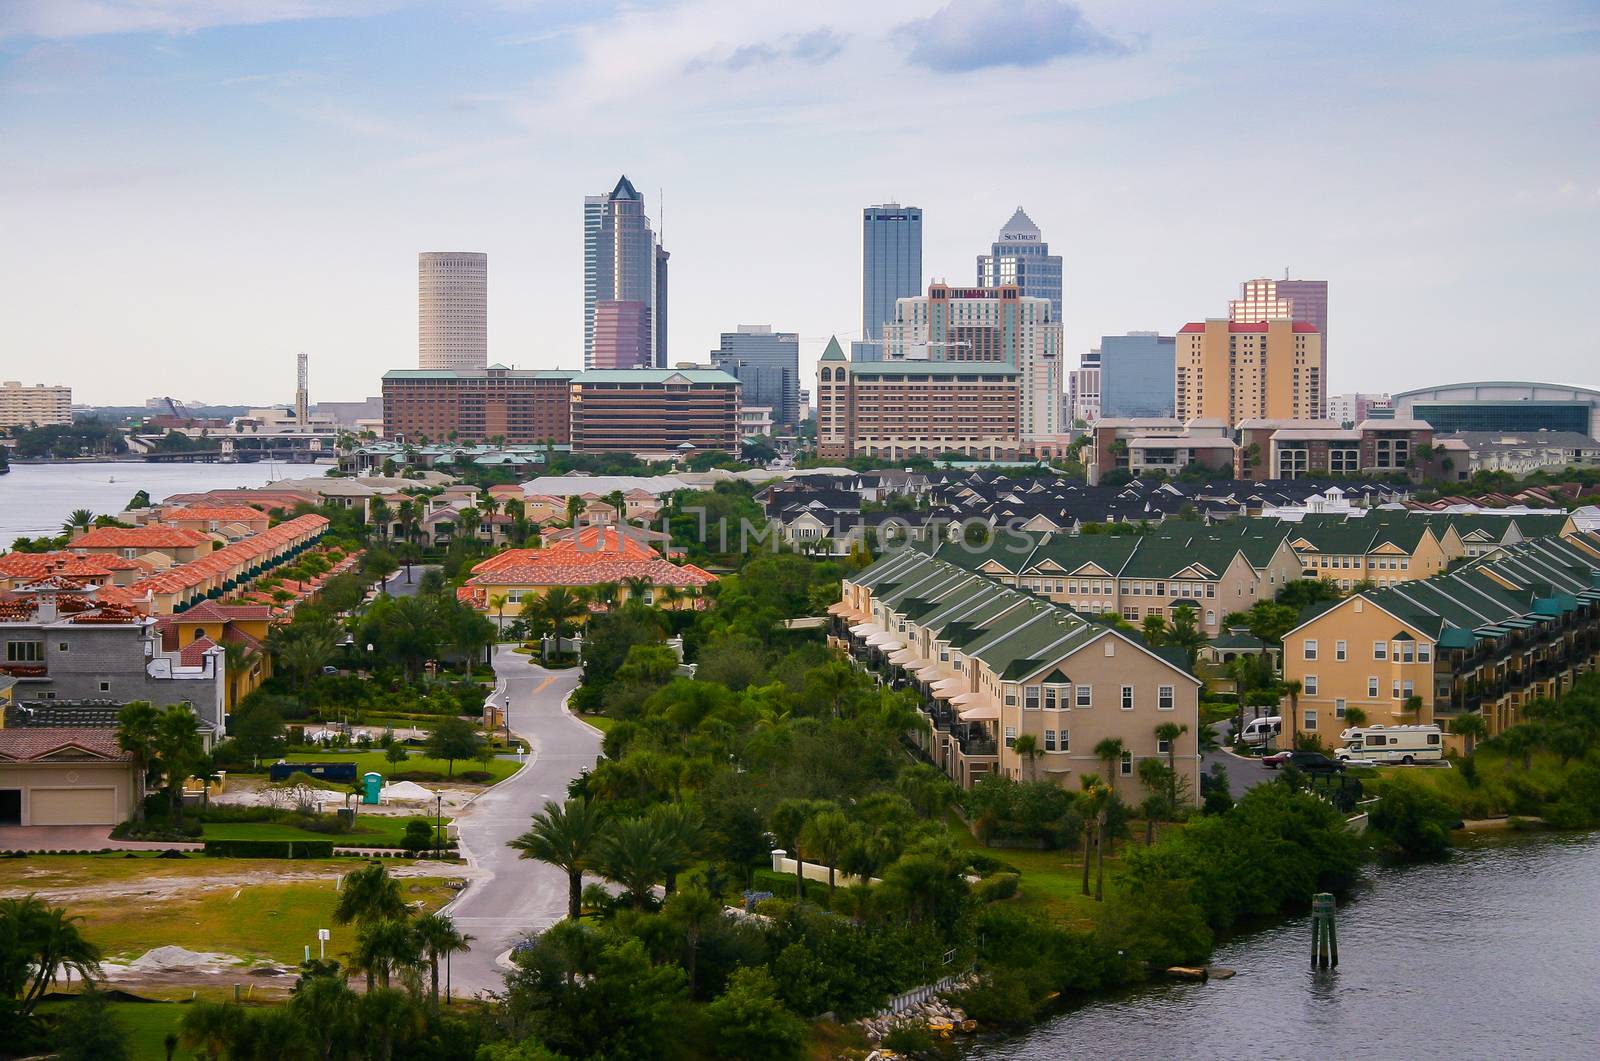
(500,769)
(147,1024)
(371,830)
(1052,881)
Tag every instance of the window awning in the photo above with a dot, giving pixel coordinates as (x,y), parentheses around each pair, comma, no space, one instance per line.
(962,699)
(982,713)
(953,685)
(885,641)
(944,694)
(927,672)
(865,629)
(903,657)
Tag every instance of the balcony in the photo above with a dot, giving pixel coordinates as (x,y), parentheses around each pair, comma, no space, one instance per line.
(25,671)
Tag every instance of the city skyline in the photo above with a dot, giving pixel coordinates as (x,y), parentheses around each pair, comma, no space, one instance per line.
(1454,211)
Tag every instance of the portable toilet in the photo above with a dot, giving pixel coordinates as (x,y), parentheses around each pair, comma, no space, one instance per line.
(371,785)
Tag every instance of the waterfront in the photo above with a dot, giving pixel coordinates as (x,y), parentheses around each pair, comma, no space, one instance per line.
(36,498)
(1488,955)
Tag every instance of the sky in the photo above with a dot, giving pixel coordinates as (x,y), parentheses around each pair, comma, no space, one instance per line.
(193,191)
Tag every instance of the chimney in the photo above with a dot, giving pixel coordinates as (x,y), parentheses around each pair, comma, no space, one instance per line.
(44,605)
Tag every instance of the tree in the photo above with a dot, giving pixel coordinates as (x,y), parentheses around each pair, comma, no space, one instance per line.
(498,602)
(1416,820)
(1355,718)
(824,837)
(257,729)
(1027,749)
(1412,705)
(453,739)
(681,829)
(326,1008)
(691,910)
(1170,732)
(566,836)
(787,820)
(137,727)
(1110,752)
(303,648)
(1470,728)
(556,609)
(179,748)
(80,519)
(386,1018)
(750,1022)
(395,753)
(37,944)
(210,1027)
(1291,689)
(385,946)
(471,520)
(368,894)
(1185,632)
(1155,630)
(635,853)
(90,1031)
(575,507)
(439,938)
(381,517)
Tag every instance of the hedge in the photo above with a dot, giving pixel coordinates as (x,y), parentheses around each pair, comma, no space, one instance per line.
(269,848)
(781,885)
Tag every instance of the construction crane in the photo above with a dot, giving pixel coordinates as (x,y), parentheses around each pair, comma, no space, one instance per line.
(178,409)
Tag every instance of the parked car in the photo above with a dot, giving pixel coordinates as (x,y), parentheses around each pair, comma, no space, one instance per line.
(1310,762)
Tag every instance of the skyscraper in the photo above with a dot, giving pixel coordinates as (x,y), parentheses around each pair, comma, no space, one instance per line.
(1021,257)
(1234,371)
(891,269)
(767,365)
(452,310)
(1136,374)
(1305,301)
(623,263)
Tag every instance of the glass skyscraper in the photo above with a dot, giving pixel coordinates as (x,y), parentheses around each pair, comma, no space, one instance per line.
(891,269)
(767,364)
(1137,374)
(1021,257)
(624,282)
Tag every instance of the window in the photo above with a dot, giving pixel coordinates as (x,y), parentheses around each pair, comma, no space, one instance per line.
(1064,742)
(1127,764)
(1339,651)
(1164,697)
(1310,649)
(1424,653)
(1127,698)
(1380,650)
(24,651)
(1394,689)
(61,646)
(1405,652)
(1085,696)
(1211,617)
(1049,698)
(1310,685)
(1372,687)
(1163,746)
(1338,708)
(105,687)
(1310,720)
(1049,740)
(1011,736)
(1030,698)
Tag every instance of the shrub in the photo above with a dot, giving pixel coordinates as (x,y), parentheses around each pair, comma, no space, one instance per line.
(996,887)
(419,836)
(269,848)
(1415,820)
(1001,997)
(910,1038)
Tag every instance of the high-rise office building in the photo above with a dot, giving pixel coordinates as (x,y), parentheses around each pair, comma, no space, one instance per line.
(1083,389)
(891,269)
(452,310)
(1136,374)
(987,324)
(1277,300)
(1020,256)
(767,365)
(623,263)
(1232,371)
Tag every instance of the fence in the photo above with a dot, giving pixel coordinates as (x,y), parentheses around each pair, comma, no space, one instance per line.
(918,995)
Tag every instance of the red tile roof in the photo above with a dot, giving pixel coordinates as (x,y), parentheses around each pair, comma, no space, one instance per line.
(150,536)
(220,513)
(194,653)
(1235,327)
(600,554)
(29,744)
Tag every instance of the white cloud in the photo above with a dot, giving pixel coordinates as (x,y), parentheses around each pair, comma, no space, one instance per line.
(90,18)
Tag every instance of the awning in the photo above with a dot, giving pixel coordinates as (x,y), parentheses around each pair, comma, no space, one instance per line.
(953,685)
(885,641)
(944,694)
(927,672)
(866,629)
(839,608)
(903,657)
(965,698)
(982,713)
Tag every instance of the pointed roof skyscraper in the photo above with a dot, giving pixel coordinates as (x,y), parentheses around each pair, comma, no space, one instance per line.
(1020,256)
(1020,227)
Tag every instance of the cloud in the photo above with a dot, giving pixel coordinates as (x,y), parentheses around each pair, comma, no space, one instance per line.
(813,48)
(974,34)
(90,18)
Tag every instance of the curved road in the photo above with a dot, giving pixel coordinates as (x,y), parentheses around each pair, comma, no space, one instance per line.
(513,896)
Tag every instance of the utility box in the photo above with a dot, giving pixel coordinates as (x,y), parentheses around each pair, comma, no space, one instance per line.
(371,786)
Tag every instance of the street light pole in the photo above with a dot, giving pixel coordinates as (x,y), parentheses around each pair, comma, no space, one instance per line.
(438,825)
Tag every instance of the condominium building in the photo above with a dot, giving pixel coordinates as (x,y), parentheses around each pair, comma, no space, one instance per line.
(1021,257)
(655,410)
(1263,299)
(623,263)
(891,269)
(1136,374)
(452,310)
(35,406)
(519,405)
(981,324)
(1273,369)
(767,364)
(994,664)
(1352,408)
(897,409)
(1488,638)
(1298,448)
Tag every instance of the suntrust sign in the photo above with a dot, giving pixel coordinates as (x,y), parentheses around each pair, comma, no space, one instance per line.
(1018,237)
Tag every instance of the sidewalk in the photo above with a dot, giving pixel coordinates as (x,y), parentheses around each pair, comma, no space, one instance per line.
(79,838)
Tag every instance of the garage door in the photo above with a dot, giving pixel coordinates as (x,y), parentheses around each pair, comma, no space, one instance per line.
(73,806)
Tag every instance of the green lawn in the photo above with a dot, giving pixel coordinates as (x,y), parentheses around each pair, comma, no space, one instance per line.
(603,723)
(147,1025)
(1052,881)
(500,769)
(371,830)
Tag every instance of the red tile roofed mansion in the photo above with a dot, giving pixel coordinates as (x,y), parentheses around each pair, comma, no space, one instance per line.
(599,557)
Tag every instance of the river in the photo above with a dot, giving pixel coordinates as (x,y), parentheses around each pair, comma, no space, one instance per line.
(36,498)
(1490,955)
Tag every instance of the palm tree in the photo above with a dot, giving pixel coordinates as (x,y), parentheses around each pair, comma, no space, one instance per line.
(41,943)
(682,829)
(557,607)
(637,586)
(1027,749)
(691,909)
(137,724)
(386,946)
(1355,717)
(439,938)
(236,659)
(1291,689)
(387,1017)
(1155,630)
(1412,705)
(80,519)
(407,516)
(619,503)
(324,1006)
(825,838)
(179,747)
(471,521)
(1470,728)
(1110,752)
(498,602)
(1170,732)
(566,836)
(368,894)
(635,853)
(575,507)
(1185,632)
(1091,786)
(605,593)
(210,1028)
(787,821)
(303,650)
(382,515)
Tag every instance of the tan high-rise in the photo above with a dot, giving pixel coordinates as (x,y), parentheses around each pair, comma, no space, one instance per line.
(36,406)
(1232,371)
(452,310)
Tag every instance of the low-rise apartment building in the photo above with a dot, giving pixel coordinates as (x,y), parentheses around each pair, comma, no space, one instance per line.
(1297,449)
(995,663)
(1486,638)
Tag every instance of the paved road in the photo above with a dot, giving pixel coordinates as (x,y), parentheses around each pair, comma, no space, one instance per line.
(515,897)
(1243,774)
(397,586)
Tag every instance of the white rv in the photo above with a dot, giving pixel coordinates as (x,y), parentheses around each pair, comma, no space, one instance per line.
(1392,744)
(1259,731)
